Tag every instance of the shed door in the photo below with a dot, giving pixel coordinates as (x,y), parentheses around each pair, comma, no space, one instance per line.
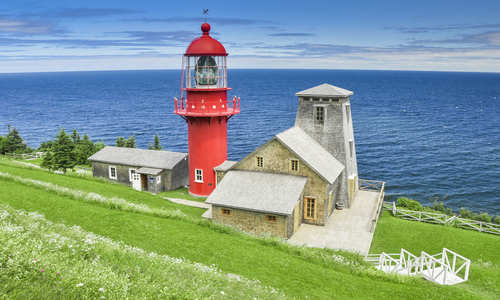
(136,181)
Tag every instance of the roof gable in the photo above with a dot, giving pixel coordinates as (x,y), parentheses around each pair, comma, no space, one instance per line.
(311,152)
(138,157)
(258,191)
(325,90)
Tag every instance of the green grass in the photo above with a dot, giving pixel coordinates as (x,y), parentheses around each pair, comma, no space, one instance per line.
(99,186)
(300,273)
(182,193)
(482,249)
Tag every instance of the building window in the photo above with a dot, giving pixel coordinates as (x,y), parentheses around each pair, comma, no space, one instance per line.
(271,218)
(294,165)
(226,211)
(112,172)
(319,115)
(198,173)
(348,112)
(158,179)
(260,161)
(309,208)
(351,147)
(131,173)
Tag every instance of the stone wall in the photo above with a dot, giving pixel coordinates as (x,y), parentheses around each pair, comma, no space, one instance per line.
(253,222)
(277,160)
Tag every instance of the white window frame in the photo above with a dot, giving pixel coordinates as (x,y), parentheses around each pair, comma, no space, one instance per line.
(315,114)
(130,174)
(109,173)
(348,112)
(351,148)
(198,177)
(158,179)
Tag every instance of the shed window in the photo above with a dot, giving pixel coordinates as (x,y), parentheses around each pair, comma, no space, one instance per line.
(260,161)
(271,218)
(310,208)
(158,179)
(319,115)
(131,173)
(198,173)
(294,165)
(112,172)
(226,211)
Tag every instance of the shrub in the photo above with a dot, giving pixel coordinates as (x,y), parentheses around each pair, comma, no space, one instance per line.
(409,204)
(497,219)
(439,206)
(465,213)
(484,217)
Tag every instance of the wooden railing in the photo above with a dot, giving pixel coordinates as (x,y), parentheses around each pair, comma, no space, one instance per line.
(438,218)
(374,186)
(25,155)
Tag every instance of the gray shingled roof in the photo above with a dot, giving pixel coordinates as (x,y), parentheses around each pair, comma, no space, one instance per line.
(311,152)
(149,171)
(226,165)
(325,90)
(258,191)
(138,157)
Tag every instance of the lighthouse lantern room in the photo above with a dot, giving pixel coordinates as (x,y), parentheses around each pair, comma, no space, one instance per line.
(203,104)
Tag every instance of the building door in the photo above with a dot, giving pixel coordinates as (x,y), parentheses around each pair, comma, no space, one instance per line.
(309,208)
(136,181)
(144,182)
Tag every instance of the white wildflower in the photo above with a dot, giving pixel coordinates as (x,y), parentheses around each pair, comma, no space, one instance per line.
(79,284)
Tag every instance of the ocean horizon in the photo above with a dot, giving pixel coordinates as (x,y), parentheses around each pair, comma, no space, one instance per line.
(430,135)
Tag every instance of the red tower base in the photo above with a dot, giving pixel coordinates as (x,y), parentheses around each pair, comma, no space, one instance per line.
(207,140)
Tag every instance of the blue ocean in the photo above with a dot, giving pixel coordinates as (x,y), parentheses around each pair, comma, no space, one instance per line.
(429,135)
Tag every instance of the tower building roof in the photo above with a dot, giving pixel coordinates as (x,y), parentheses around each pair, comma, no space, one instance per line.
(205,44)
(325,90)
(317,157)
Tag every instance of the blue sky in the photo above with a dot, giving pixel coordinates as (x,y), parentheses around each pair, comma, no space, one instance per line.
(38,36)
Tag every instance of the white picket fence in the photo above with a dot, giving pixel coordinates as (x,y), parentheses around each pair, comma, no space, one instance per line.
(438,218)
(446,268)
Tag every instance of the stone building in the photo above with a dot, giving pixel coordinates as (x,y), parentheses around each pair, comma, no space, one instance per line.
(319,149)
(145,170)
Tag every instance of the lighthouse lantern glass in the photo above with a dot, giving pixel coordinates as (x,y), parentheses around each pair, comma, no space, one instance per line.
(205,72)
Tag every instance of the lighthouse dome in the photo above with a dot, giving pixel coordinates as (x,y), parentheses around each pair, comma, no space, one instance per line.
(205,44)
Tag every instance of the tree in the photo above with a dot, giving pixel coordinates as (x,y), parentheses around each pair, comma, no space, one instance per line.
(75,137)
(14,142)
(157,145)
(130,142)
(48,160)
(120,142)
(63,152)
(3,144)
(46,146)
(84,149)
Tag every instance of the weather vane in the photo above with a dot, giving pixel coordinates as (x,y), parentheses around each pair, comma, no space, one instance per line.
(205,13)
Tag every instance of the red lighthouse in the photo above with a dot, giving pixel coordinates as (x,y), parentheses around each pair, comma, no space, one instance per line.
(203,104)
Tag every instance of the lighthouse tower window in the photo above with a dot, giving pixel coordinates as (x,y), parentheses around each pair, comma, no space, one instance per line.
(206,72)
(198,175)
(319,115)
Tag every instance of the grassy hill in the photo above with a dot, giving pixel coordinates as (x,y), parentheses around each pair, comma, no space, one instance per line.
(264,267)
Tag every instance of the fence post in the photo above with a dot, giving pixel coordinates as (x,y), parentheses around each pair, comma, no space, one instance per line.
(394,209)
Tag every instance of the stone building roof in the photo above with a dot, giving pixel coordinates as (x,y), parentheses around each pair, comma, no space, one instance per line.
(258,191)
(158,159)
(316,157)
(226,165)
(325,90)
